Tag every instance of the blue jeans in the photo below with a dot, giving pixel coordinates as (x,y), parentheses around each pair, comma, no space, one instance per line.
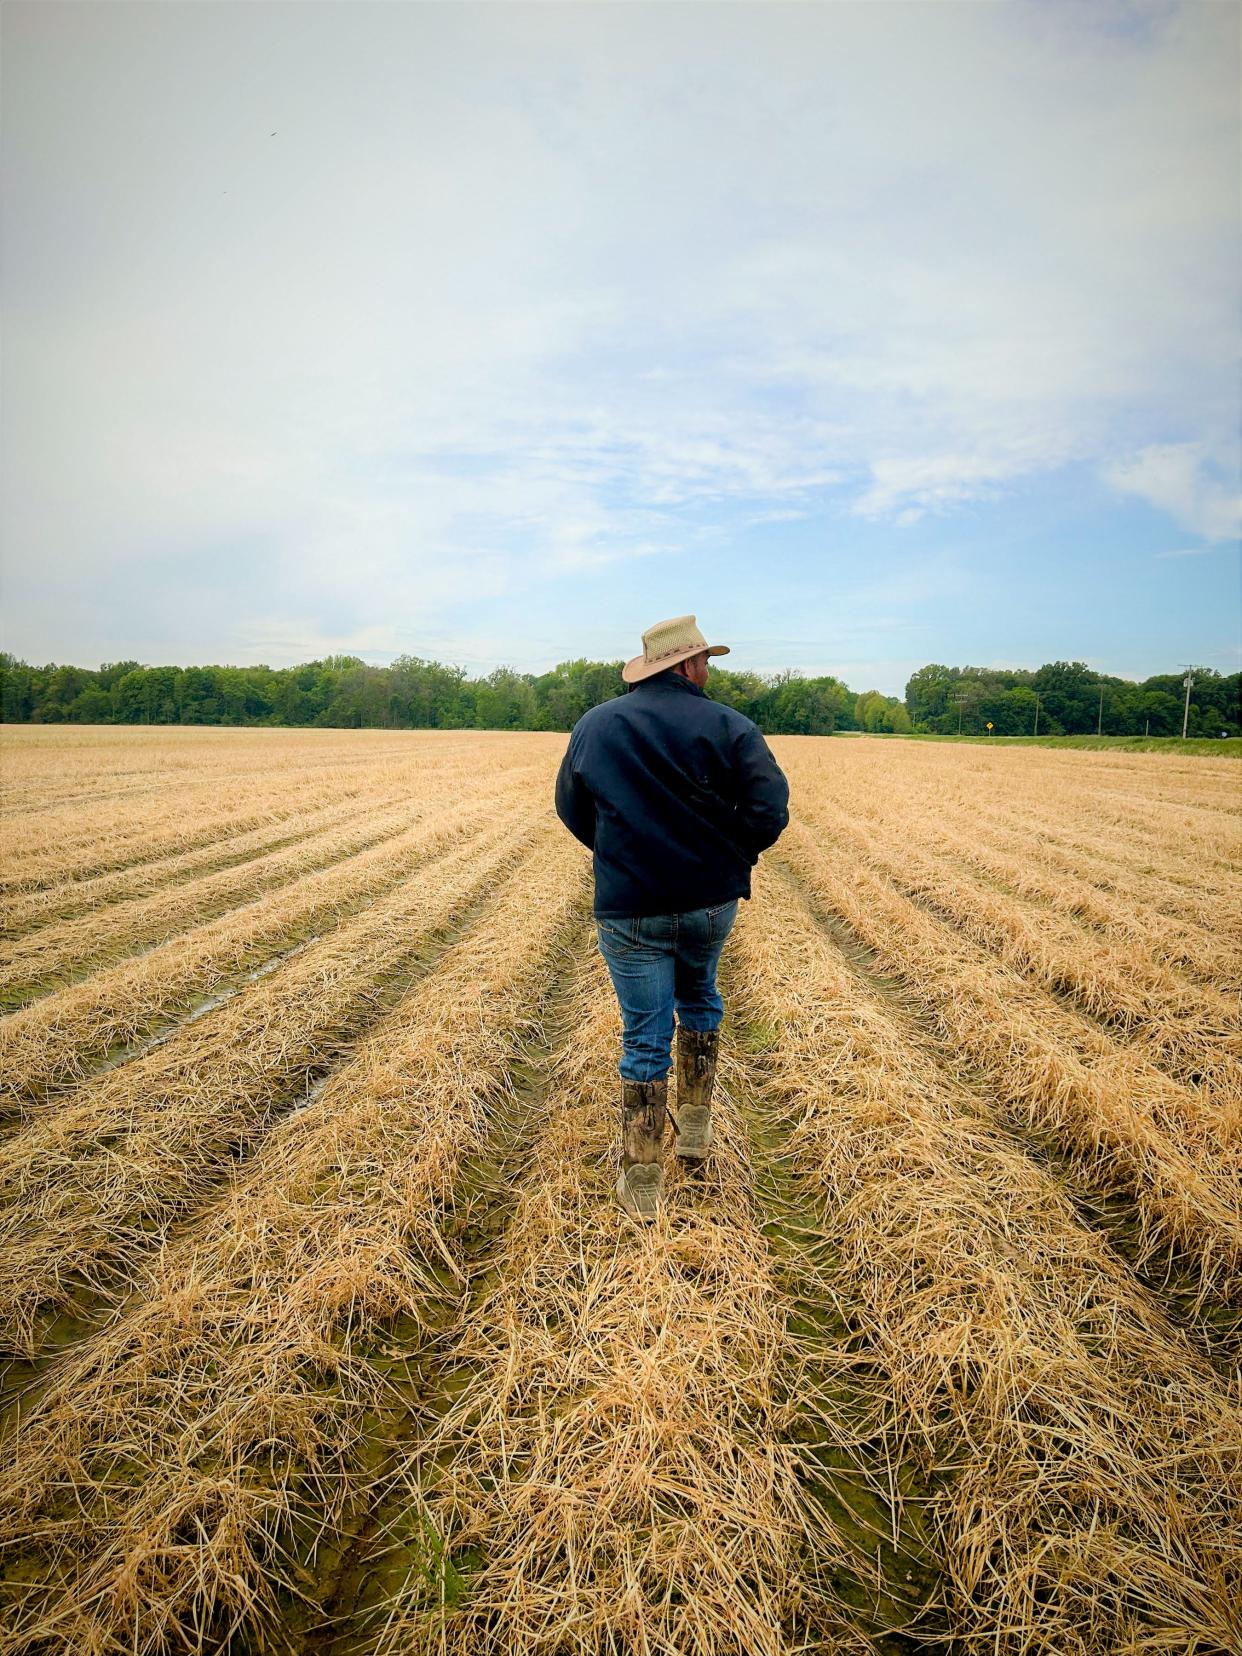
(660,963)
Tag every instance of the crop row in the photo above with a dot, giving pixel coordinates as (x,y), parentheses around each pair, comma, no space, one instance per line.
(1192,1030)
(153,1491)
(106,934)
(48,848)
(48,768)
(1213,954)
(628,1458)
(1090,1461)
(24,915)
(1120,1121)
(1065,804)
(1165,879)
(89,1189)
(1018,847)
(94,940)
(58,1040)
(1006,810)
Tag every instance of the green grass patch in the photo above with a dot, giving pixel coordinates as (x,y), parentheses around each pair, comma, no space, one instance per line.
(756,1037)
(1228,747)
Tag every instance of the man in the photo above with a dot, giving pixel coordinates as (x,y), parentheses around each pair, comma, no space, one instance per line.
(676,795)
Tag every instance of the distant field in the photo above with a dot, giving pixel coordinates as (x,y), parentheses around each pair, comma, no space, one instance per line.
(321,1331)
(1228,747)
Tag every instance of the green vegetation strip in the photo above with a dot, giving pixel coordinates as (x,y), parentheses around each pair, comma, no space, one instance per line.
(1228,747)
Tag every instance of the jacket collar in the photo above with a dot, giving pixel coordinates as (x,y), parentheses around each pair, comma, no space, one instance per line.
(668,680)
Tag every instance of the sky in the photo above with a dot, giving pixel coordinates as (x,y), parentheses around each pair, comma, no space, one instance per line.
(872,334)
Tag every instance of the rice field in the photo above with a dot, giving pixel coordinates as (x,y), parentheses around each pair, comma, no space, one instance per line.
(320,1331)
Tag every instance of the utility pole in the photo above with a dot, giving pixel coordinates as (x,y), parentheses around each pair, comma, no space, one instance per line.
(1188,681)
(1035,732)
(1099,723)
(961,703)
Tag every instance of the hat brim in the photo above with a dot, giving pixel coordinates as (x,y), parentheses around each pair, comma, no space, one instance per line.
(640,668)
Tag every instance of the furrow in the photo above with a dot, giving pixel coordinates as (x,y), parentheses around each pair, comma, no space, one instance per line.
(1123,1123)
(86,1193)
(1088,1460)
(631,1451)
(115,1015)
(229,1409)
(1192,1032)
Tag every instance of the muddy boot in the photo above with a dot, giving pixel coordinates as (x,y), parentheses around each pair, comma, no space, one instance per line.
(642,1136)
(696,1075)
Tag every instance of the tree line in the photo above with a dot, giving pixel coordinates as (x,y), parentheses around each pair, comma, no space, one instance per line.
(1068,698)
(342,691)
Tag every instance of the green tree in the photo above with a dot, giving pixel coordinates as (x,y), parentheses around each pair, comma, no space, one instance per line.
(17,689)
(505,700)
(91,706)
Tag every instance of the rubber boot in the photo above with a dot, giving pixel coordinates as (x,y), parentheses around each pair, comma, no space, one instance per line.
(642,1135)
(696,1075)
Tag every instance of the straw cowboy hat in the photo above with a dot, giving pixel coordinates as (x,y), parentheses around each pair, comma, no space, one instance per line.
(667,643)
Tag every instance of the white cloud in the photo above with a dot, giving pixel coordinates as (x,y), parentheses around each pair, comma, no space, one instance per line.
(518,294)
(1174,477)
(935,482)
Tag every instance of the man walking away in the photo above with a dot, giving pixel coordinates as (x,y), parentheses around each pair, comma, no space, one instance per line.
(676,795)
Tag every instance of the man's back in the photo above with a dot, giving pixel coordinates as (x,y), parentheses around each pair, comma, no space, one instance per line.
(676,795)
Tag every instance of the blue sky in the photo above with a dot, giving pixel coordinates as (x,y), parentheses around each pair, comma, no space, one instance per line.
(873,334)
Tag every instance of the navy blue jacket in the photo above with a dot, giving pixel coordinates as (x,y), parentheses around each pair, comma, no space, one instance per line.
(674,793)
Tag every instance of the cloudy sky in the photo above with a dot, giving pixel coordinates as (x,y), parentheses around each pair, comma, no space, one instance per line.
(874,334)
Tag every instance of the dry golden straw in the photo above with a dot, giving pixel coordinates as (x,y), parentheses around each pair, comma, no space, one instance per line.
(230,1401)
(325,1331)
(1092,1461)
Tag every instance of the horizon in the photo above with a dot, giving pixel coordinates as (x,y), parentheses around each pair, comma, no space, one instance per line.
(999,668)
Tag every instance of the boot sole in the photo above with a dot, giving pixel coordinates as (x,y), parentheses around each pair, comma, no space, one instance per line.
(693,1140)
(628,1205)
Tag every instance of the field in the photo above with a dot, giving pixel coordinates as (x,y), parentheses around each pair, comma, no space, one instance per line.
(321,1332)
(1230,747)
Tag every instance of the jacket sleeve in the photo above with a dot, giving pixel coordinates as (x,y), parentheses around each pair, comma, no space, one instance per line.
(762,793)
(575,805)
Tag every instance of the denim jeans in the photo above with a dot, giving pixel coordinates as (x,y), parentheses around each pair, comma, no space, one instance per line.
(660,963)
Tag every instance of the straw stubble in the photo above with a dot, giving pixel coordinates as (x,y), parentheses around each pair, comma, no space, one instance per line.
(871,1384)
(87,1192)
(229,1405)
(1092,1460)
